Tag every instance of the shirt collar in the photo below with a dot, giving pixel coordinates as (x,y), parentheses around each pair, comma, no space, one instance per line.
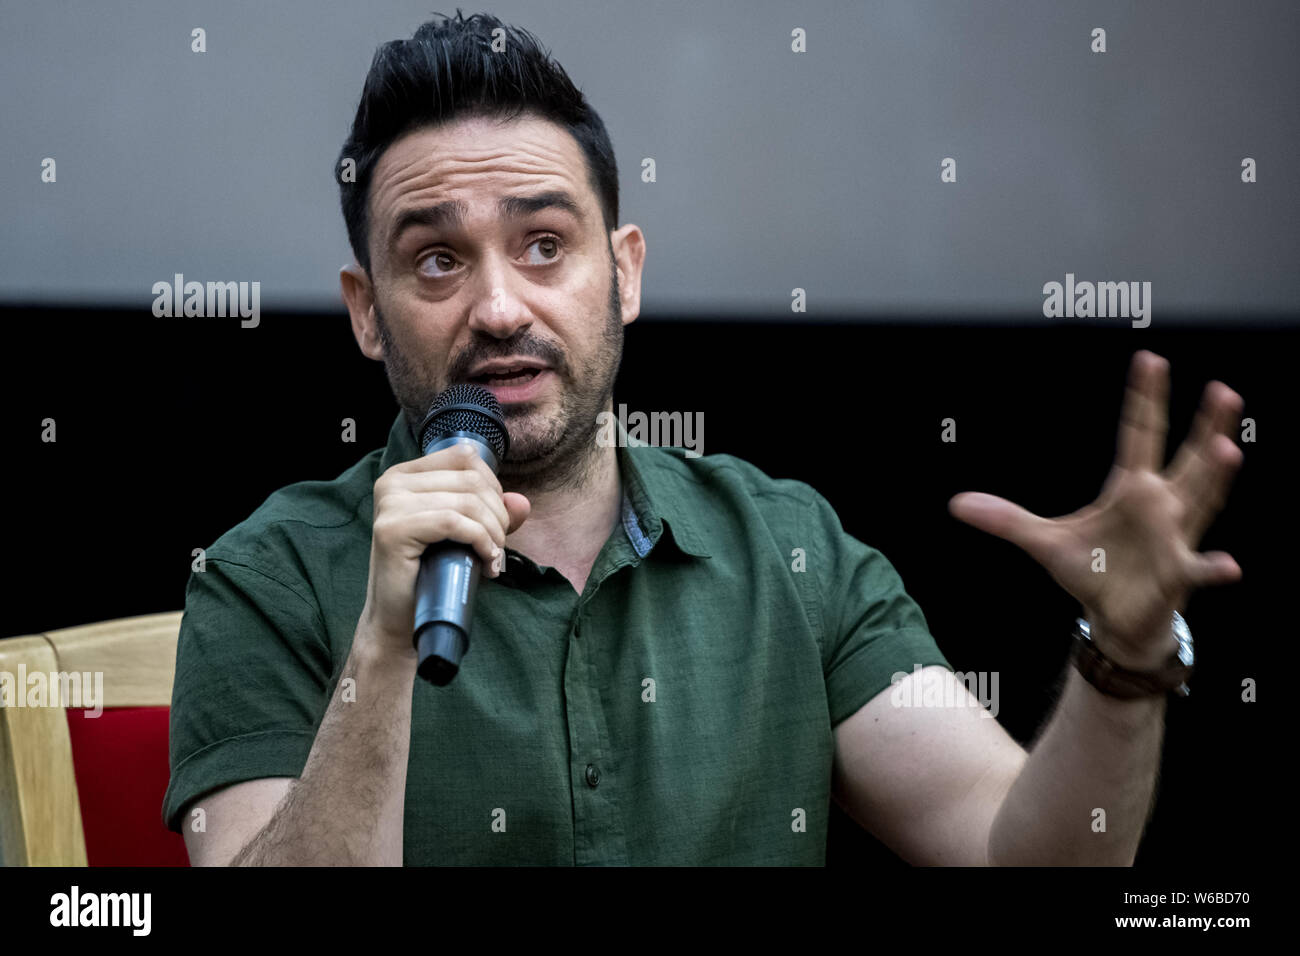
(656,498)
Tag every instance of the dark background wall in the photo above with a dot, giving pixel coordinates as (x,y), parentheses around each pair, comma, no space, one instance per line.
(170,431)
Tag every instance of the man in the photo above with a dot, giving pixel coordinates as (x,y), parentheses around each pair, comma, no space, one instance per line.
(650,682)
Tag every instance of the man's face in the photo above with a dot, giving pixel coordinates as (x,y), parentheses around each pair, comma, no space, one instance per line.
(522,298)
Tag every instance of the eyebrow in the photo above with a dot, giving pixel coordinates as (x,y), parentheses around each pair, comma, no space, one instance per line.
(453,212)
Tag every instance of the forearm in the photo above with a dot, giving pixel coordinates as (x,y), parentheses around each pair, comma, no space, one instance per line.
(1096,753)
(347,808)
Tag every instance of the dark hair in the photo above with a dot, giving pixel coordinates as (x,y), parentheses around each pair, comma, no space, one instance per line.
(448,69)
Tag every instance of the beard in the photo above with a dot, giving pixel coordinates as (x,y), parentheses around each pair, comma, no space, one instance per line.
(545,453)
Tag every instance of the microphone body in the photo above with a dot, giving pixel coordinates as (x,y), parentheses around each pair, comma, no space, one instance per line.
(447,582)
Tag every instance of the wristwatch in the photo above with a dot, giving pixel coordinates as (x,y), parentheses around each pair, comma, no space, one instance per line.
(1115,681)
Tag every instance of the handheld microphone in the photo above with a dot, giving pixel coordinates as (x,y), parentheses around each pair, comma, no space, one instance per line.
(449,571)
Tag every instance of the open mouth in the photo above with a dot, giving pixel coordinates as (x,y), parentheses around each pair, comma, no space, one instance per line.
(507,377)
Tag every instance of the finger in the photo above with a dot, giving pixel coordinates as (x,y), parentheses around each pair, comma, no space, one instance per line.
(486,471)
(461,455)
(470,459)
(519,508)
(1143,420)
(466,503)
(454,455)
(1211,568)
(469,480)
(497,509)
(1205,486)
(1004,519)
(1218,414)
(447,525)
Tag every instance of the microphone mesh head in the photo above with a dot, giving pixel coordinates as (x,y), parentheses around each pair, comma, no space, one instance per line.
(465,407)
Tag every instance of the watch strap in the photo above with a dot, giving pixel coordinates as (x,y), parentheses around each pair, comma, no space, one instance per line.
(1116,681)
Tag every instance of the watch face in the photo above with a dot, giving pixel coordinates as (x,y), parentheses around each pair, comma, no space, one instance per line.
(1183,635)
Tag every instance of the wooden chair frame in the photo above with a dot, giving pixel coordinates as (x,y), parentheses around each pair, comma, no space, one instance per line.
(40,810)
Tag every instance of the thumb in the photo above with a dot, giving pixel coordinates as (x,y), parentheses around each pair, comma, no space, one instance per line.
(518,507)
(1214,567)
(1002,518)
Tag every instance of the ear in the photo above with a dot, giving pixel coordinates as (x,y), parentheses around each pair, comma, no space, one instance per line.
(629,256)
(359,296)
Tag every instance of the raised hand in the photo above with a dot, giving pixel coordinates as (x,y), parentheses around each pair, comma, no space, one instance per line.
(1148,520)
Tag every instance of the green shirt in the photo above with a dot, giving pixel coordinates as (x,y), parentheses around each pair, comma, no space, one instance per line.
(679,711)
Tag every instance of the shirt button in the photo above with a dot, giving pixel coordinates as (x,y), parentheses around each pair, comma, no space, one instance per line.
(593,775)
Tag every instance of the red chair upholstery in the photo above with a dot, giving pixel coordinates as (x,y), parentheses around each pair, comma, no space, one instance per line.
(120,759)
(59,767)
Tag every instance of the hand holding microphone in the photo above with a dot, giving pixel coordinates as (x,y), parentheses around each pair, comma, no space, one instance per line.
(437,521)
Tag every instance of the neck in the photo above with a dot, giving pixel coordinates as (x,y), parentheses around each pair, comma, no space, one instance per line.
(568,525)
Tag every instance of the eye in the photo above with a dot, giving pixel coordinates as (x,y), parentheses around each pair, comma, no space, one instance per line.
(548,247)
(445,262)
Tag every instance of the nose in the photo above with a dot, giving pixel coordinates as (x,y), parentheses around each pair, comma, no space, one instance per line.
(498,311)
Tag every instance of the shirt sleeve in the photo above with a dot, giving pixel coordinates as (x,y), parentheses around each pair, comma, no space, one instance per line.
(871,627)
(253,673)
